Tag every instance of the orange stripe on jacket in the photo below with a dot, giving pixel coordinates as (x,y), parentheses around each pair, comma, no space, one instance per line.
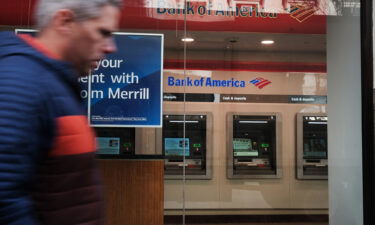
(74,136)
(38,46)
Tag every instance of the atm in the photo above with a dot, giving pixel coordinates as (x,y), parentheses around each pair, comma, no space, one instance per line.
(312,151)
(186,143)
(253,145)
(115,141)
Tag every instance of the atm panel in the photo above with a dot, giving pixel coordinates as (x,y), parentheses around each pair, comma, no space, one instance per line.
(253,145)
(115,141)
(312,146)
(185,142)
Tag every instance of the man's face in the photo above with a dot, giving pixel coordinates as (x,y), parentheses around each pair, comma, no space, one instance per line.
(92,39)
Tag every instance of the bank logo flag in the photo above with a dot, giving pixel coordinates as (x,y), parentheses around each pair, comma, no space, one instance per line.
(260,82)
(302,12)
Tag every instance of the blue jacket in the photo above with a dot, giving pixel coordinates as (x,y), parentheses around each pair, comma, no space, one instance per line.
(48,174)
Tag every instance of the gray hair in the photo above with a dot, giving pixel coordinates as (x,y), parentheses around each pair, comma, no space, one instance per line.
(83,9)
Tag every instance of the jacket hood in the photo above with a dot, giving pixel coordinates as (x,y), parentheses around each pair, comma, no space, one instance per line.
(11,44)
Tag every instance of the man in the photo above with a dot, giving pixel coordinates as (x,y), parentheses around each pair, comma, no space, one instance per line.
(47,170)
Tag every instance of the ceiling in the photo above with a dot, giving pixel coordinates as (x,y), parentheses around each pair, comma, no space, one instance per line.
(241,41)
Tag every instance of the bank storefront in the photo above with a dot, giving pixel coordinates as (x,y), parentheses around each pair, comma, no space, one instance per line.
(233,111)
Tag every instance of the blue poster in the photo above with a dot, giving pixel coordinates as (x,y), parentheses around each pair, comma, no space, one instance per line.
(126,87)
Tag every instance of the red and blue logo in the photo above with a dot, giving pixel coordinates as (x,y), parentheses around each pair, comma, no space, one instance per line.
(260,82)
(302,12)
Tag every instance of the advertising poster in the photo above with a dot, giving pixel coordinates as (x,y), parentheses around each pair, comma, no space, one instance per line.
(126,87)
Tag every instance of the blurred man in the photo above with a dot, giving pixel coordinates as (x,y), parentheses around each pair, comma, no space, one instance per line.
(47,171)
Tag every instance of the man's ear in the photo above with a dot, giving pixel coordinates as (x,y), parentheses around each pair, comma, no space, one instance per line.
(63,20)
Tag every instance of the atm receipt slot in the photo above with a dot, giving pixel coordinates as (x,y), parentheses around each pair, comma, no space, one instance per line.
(316,163)
(253,163)
(188,163)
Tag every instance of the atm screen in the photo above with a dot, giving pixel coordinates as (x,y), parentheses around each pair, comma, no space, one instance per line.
(243,147)
(108,145)
(315,137)
(176,146)
(316,147)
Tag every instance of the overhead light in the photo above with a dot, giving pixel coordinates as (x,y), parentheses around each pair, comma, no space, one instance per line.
(267,42)
(187,39)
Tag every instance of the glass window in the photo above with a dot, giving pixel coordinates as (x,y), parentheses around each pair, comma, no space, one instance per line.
(240,111)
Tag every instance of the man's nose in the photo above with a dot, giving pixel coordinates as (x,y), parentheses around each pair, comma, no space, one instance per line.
(110,46)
